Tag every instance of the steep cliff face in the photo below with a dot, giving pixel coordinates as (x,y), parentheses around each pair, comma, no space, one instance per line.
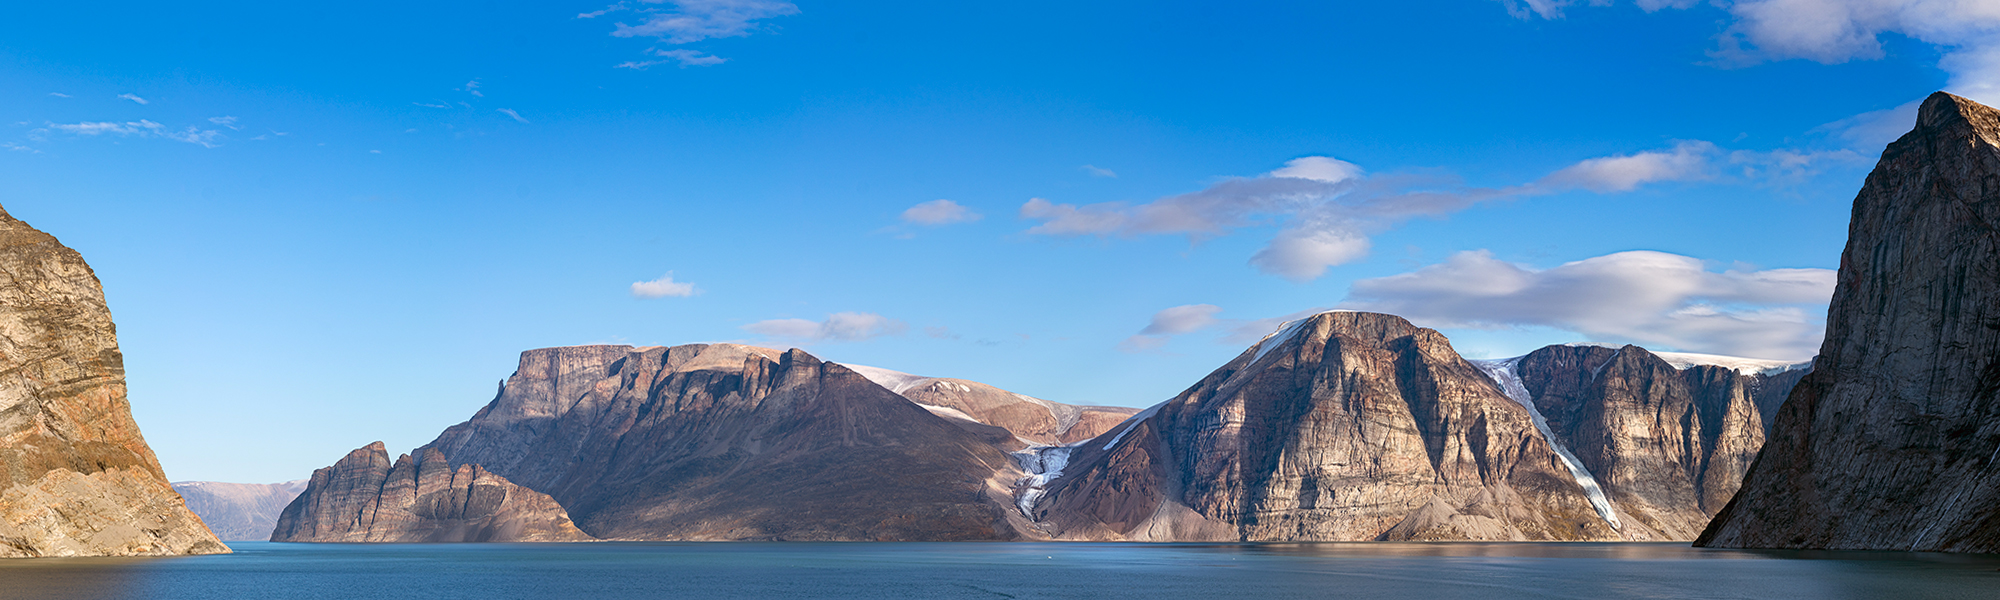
(1669,445)
(1034,420)
(1890,442)
(76,478)
(364,498)
(729,442)
(239,511)
(1342,426)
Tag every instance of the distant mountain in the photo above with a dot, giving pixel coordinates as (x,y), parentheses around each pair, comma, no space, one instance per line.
(76,476)
(239,511)
(1361,426)
(1035,421)
(1891,442)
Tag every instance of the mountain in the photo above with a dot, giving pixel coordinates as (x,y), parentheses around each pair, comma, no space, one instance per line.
(1667,436)
(1034,420)
(1891,441)
(76,477)
(239,511)
(364,498)
(732,442)
(1361,426)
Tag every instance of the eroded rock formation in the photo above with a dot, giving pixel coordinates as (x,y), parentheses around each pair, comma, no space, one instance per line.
(1341,426)
(730,442)
(1891,442)
(1034,420)
(76,477)
(365,498)
(239,511)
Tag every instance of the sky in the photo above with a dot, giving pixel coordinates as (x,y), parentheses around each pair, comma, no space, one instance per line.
(320,227)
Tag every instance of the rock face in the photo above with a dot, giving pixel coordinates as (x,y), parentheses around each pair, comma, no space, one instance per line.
(363,498)
(76,478)
(1668,445)
(1341,426)
(239,511)
(1890,442)
(1361,426)
(730,442)
(1034,420)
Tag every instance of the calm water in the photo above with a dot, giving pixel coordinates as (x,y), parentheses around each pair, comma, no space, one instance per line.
(618,571)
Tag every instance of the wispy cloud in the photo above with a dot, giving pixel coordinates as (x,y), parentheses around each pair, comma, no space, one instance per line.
(472,87)
(838,327)
(510,112)
(1097,171)
(1653,298)
(1171,322)
(206,138)
(690,21)
(13,147)
(939,212)
(1967,32)
(134,98)
(59,95)
(429,105)
(685,58)
(664,287)
(229,122)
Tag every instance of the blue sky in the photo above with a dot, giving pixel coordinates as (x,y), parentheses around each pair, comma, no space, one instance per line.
(319,228)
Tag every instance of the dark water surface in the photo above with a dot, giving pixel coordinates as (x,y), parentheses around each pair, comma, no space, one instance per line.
(619,571)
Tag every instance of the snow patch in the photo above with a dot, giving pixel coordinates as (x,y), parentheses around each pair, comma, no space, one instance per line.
(896,381)
(947,412)
(1503,373)
(1746,366)
(1133,421)
(1043,464)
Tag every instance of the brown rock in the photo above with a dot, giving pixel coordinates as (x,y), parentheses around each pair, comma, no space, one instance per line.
(76,478)
(1034,420)
(363,498)
(1342,426)
(729,442)
(1891,442)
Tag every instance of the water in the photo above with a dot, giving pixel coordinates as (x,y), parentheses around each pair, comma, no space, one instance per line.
(619,571)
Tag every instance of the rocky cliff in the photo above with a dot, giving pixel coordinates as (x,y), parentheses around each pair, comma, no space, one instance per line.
(76,478)
(1891,442)
(1034,420)
(730,442)
(1669,445)
(1342,426)
(239,511)
(365,498)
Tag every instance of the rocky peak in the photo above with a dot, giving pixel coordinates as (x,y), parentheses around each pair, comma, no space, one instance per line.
(1889,443)
(366,498)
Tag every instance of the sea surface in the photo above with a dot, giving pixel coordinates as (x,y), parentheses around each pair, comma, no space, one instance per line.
(619,571)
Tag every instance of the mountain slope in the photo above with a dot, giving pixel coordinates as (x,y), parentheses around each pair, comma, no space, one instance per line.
(365,498)
(1032,419)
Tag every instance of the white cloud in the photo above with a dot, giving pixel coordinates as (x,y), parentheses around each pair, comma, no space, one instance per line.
(939,212)
(59,94)
(229,122)
(18,148)
(141,128)
(431,105)
(1097,171)
(134,98)
(696,20)
(1171,322)
(1318,168)
(1835,31)
(1656,299)
(1872,130)
(686,58)
(838,327)
(510,112)
(1686,161)
(664,287)
(472,87)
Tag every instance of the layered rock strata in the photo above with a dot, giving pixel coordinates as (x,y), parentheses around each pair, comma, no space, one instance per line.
(239,511)
(365,498)
(76,477)
(1891,441)
(1341,426)
(730,442)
